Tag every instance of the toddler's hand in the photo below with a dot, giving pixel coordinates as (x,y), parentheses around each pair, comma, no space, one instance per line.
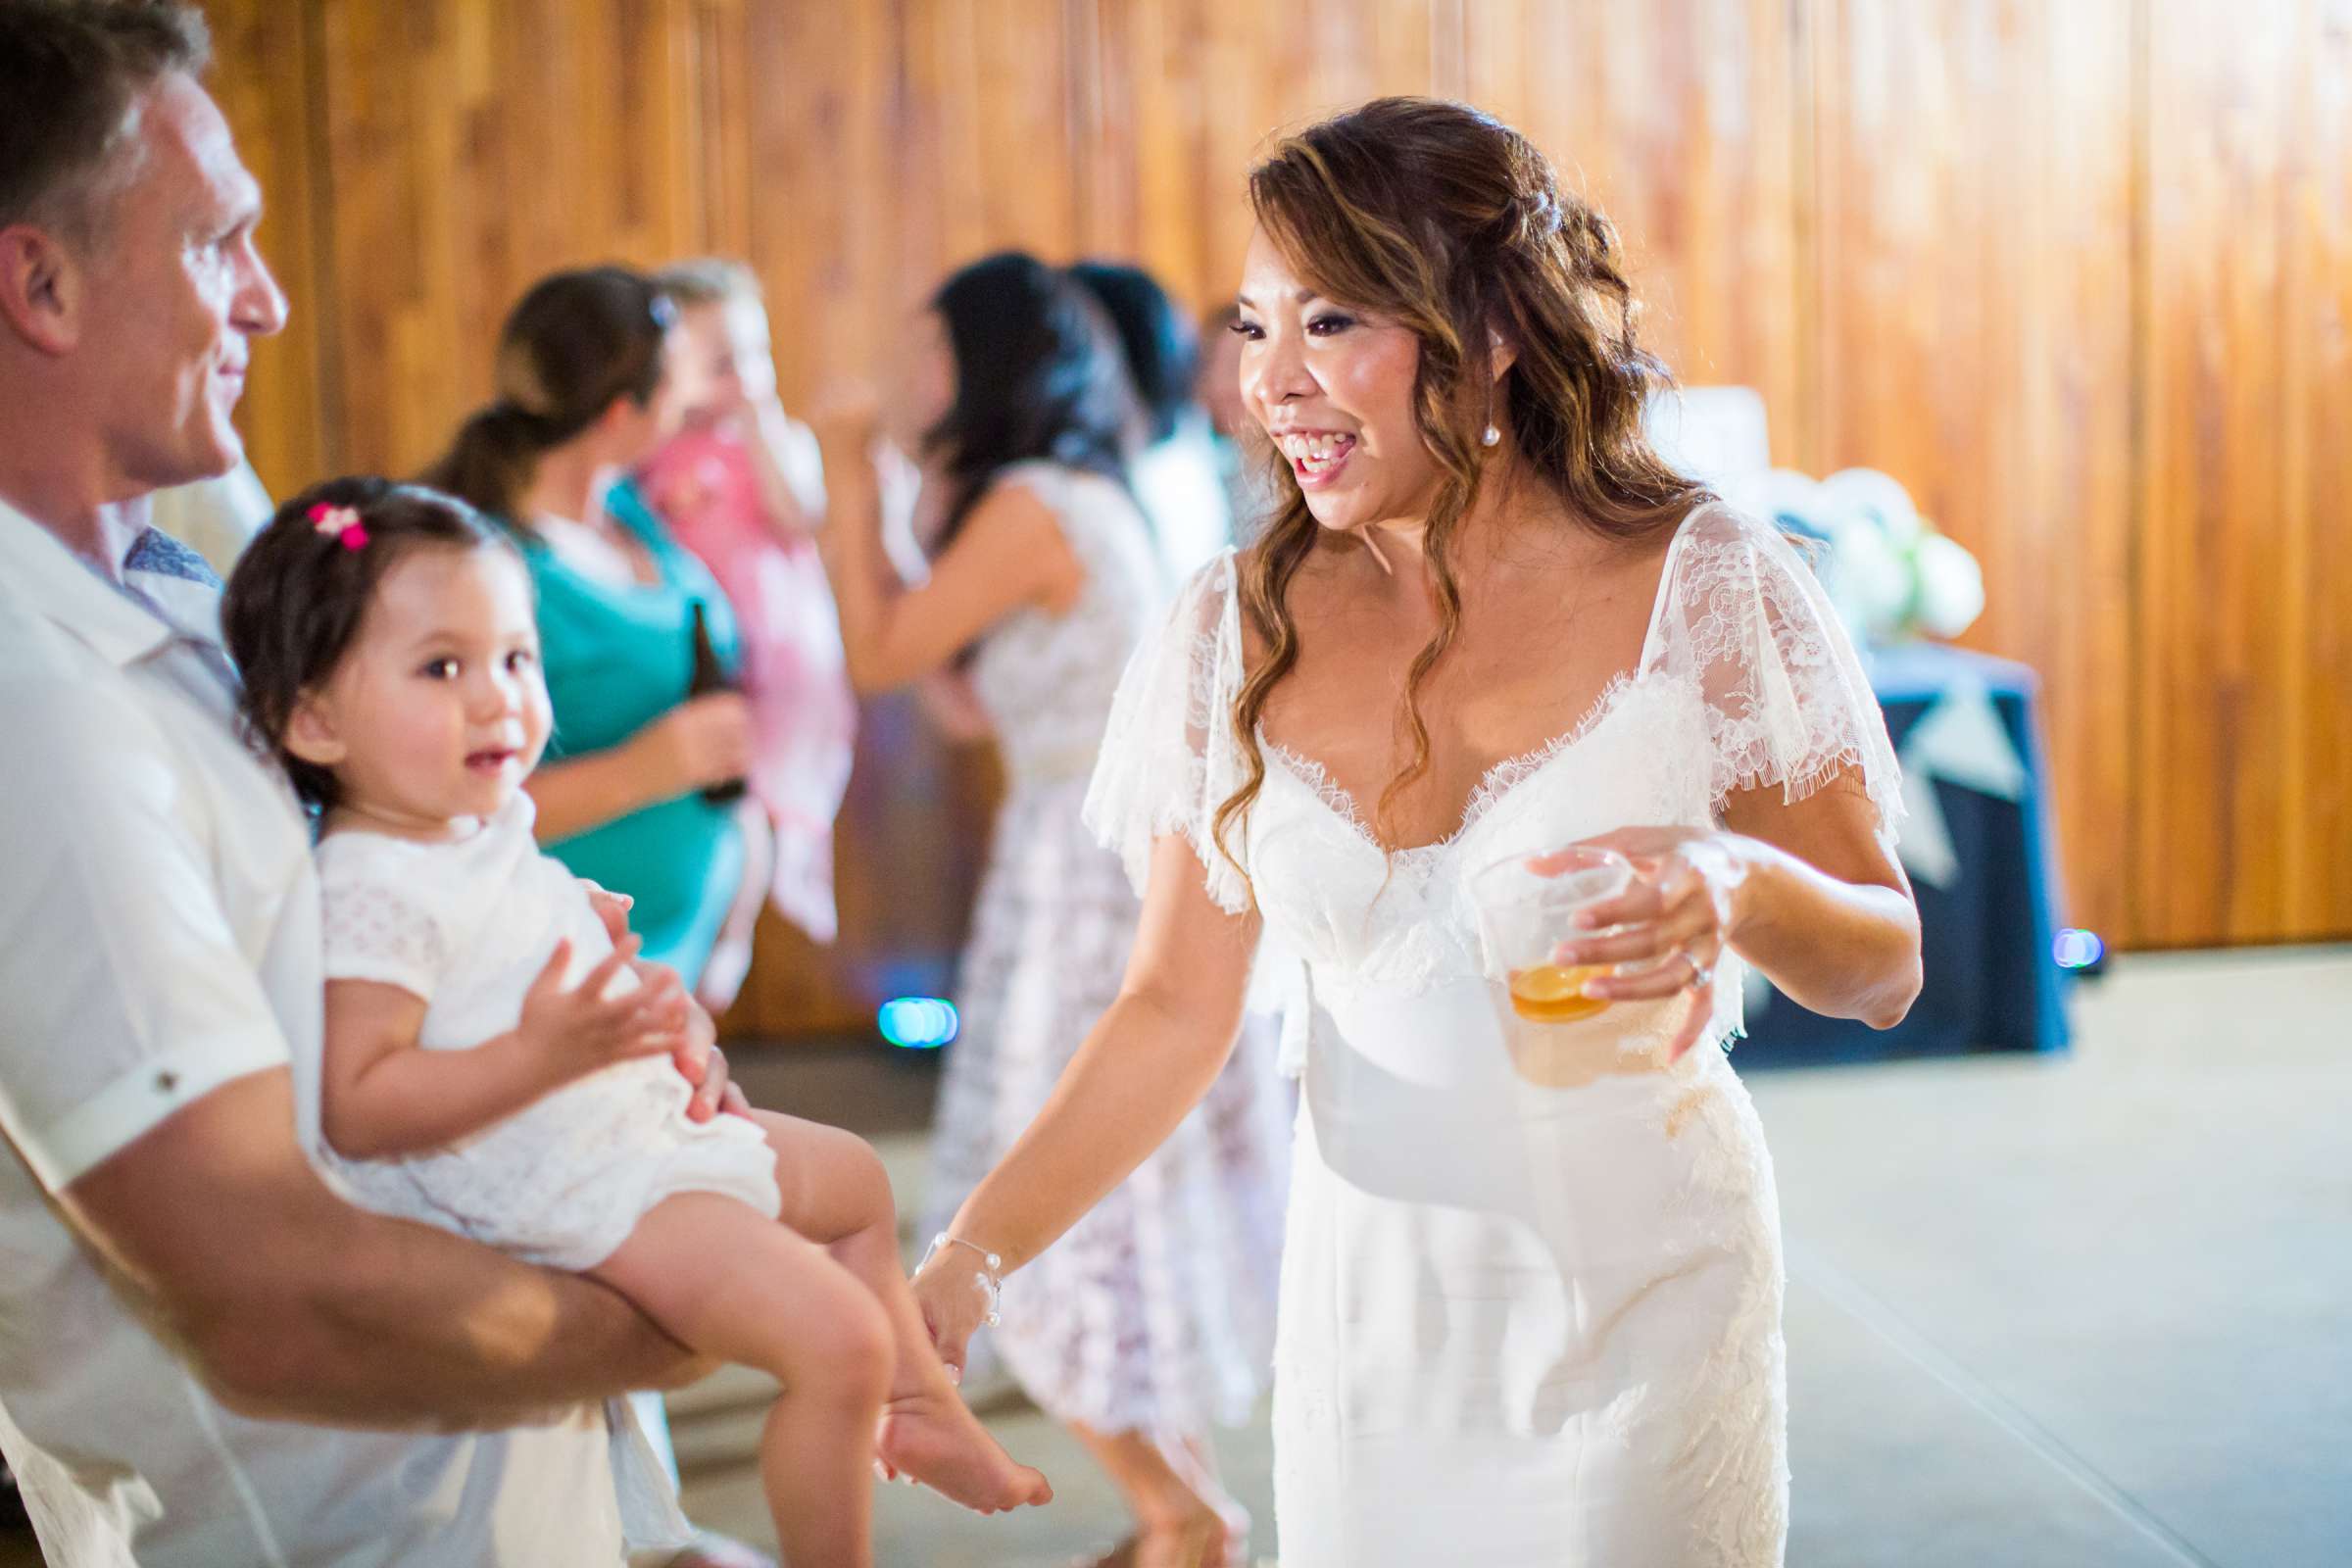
(611,907)
(580,1029)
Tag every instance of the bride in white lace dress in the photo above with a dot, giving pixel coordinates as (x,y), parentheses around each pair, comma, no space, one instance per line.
(1531,1305)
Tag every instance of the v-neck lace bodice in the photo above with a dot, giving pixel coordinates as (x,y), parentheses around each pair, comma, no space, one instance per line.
(1495,783)
(1744,679)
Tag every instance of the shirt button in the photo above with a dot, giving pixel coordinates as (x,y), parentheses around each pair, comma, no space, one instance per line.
(166,1082)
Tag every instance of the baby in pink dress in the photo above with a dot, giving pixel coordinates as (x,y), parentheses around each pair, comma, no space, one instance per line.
(741,486)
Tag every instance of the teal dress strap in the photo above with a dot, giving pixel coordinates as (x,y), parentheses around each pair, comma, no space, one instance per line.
(617,658)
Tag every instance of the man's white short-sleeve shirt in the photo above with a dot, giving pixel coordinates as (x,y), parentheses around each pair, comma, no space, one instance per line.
(159,937)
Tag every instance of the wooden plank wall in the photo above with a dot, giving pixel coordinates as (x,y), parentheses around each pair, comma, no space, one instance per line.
(2242,600)
(2077,275)
(1970,331)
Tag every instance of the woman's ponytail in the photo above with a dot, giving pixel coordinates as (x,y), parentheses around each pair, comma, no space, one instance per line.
(488,466)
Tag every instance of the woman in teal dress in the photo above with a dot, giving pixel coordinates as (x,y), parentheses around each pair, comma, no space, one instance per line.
(582,398)
(618,659)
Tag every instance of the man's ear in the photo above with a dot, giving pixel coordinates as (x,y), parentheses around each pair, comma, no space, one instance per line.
(311,733)
(41,289)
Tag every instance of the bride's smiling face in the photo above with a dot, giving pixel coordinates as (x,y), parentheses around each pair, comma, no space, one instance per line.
(1333,386)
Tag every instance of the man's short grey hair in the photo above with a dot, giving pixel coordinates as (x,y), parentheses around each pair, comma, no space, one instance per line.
(70,75)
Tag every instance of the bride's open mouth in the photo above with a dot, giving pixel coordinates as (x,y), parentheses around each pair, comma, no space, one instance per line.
(1316,456)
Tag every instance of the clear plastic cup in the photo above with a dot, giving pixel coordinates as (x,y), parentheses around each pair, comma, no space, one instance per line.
(1524,916)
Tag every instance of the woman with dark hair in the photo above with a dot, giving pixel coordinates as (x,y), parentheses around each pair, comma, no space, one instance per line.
(1174,456)
(624,795)
(1152,1316)
(1531,1303)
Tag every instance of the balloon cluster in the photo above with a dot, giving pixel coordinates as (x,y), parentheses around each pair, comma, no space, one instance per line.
(1890,574)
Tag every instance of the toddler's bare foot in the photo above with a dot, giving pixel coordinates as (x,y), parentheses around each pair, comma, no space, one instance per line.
(935,1439)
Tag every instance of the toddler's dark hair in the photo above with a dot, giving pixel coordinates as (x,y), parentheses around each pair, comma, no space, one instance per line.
(298,594)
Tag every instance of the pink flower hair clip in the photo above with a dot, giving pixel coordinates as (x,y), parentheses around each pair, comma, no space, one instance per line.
(340,522)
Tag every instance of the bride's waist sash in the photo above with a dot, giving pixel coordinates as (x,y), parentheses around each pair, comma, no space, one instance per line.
(1460,1034)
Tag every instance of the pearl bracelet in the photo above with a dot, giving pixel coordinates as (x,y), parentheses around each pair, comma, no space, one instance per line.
(991,1280)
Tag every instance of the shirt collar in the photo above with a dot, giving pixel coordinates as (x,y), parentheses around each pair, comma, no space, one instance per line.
(61,587)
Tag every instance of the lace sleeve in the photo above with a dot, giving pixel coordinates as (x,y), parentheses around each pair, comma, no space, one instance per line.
(371,929)
(1786,702)
(1168,758)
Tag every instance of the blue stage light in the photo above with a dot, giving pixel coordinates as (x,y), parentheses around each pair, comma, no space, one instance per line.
(917,1023)
(2077,950)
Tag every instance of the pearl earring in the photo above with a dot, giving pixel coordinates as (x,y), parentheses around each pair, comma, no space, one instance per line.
(1491,437)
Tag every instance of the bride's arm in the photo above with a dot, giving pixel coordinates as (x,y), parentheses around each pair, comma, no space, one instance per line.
(1823,908)
(1145,1063)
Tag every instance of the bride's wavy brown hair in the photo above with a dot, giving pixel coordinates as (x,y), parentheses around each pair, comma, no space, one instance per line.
(1450,223)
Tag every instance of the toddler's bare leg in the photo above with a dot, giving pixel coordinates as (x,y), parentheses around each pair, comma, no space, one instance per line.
(835,1192)
(721,1279)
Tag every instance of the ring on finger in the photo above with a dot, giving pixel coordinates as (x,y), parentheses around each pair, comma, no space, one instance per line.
(1701,975)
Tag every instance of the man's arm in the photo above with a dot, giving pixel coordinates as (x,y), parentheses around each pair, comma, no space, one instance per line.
(293,1303)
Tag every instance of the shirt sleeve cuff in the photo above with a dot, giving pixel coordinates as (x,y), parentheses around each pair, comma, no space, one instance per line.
(368,967)
(134,1103)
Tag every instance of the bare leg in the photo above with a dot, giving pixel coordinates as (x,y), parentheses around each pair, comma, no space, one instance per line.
(1185,1519)
(836,1193)
(725,1281)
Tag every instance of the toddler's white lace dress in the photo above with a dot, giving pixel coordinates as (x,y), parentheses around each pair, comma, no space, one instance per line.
(1528,1316)
(467,927)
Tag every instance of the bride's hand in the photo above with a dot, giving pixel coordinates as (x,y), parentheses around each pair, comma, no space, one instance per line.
(1671,925)
(953,1303)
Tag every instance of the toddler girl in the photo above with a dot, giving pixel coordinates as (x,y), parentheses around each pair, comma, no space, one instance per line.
(491,1064)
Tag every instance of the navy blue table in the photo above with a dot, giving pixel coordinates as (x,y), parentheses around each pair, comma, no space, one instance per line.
(1991,979)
